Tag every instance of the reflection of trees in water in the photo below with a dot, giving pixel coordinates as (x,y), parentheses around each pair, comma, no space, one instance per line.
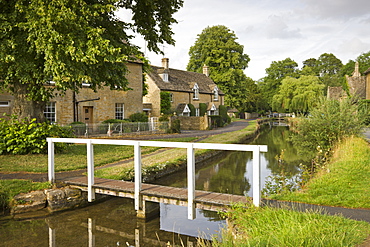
(277,139)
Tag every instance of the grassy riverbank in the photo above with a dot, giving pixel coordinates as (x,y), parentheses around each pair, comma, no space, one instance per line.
(345,181)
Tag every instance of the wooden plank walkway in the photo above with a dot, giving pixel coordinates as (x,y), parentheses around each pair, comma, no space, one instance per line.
(162,194)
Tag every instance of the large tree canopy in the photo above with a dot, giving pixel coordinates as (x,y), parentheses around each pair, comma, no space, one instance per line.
(71,42)
(217,48)
(298,95)
(277,71)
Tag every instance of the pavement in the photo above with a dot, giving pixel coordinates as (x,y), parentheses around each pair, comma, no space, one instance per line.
(356,214)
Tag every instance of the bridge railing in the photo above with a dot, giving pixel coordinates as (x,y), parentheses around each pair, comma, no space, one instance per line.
(256,149)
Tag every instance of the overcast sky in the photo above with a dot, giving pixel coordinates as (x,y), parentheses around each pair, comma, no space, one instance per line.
(274,30)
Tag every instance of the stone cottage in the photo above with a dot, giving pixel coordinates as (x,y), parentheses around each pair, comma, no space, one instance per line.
(185,88)
(90,107)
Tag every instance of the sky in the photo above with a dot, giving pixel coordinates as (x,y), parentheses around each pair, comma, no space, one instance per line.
(272,30)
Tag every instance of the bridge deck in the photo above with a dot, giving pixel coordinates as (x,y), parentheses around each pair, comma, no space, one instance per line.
(157,193)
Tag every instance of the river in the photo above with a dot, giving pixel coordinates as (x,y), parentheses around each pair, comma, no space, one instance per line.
(113,222)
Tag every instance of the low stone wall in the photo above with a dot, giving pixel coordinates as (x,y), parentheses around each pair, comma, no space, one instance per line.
(51,199)
(193,123)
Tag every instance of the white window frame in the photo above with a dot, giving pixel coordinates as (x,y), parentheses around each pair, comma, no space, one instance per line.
(196,91)
(197,112)
(50,112)
(171,97)
(215,93)
(119,111)
(5,103)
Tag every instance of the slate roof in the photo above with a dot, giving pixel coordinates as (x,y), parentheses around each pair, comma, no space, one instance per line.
(182,81)
(367,71)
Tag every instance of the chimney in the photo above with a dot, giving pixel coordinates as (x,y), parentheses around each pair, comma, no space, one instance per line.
(356,73)
(205,70)
(165,63)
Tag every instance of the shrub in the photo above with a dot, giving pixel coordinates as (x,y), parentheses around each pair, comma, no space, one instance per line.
(175,126)
(138,117)
(114,121)
(192,110)
(223,113)
(202,109)
(216,121)
(330,122)
(29,137)
(165,102)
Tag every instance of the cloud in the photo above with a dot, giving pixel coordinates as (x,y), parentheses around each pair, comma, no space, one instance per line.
(353,46)
(338,9)
(277,28)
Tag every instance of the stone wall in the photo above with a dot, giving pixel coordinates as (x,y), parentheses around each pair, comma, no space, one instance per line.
(194,123)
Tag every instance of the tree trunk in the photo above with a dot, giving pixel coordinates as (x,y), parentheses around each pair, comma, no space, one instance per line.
(24,107)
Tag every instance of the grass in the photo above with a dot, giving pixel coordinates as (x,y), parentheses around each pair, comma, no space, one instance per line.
(171,157)
(280,227)
(10,188)
(345,181)
(73,158)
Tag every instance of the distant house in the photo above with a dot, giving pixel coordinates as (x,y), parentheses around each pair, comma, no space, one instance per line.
(358,85)
(90,107)
(184,87)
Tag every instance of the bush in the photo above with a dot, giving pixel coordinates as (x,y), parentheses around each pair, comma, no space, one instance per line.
(216,121)
(175,126)
(202,109)
(114,121)
(223,113)
(326,125)
(29,137)
(138,117)
(192,110)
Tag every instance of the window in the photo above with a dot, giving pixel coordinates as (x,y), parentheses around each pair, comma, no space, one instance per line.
(215,93)
(165,77)
(171,97)
(196,91)
(120,111)
(4,104)
(197,112)
(49,112)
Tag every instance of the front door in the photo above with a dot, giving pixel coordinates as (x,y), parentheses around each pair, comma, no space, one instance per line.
(87,116)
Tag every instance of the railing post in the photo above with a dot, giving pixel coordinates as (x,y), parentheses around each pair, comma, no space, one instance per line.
(256,176)
(90,171)
(51,170)
(137,164)
(191,182)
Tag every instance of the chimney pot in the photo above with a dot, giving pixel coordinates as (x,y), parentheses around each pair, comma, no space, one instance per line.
(165,63)
(206,70)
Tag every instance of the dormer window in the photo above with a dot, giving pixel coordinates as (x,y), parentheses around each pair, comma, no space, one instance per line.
(165,77)
(196,91)
(215,93)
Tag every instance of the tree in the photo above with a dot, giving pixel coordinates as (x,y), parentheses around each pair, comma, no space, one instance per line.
(298,95)
(329,67)
(70,42)
(217,48)
(277,71)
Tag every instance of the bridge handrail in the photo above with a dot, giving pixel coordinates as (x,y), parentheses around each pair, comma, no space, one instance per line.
(256,149)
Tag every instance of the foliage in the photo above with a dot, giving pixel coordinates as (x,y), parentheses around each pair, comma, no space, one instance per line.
(114,121)
(277,71)
(298,95)
(29,137)
(364,109)
(192,110)
(216,121)
(70,42)
(202,109)
(267,226)
(344,181)
(165,102)
(175,126)
(217,48)
(10,188)
(223,113)
(140,117)
(327,124)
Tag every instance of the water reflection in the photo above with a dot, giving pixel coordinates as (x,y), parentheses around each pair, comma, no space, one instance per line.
(232,174)
(111,223)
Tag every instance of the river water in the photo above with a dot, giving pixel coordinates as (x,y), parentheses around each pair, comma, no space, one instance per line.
(113,222)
